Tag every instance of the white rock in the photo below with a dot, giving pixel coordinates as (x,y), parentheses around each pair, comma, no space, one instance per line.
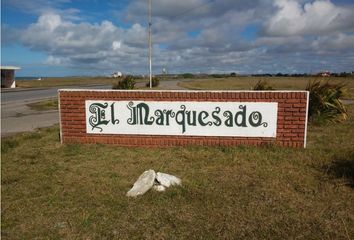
(143,184)
(159,188)
(167,180)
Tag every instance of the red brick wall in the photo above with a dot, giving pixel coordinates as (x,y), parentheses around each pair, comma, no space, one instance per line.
(291,122)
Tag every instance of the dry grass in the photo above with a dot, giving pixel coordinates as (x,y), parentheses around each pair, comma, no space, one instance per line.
(279,83)
(53,82)
(54,191)
(45,105)
(230,83)
(69,81)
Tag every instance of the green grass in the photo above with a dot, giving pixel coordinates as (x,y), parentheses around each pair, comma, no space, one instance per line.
(229,83)
(45,105)
(67,81)
(278,83)
(54,191)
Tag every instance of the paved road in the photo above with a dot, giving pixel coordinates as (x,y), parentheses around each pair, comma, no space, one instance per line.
(39,93)
(171,85)
(16,116)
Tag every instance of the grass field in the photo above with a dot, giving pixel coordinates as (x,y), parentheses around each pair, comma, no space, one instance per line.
(279,83)
(45,105)
(53,82)
(230,83)
(69,81)
(54,191)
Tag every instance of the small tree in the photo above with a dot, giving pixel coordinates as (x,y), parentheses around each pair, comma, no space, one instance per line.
(127,82)
(155,81)
(262,85)
(187,75)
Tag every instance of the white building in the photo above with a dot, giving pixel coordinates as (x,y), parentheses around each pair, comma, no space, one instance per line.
(8,76)
(117,75)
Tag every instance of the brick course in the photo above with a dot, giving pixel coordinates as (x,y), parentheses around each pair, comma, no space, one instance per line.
(291,122)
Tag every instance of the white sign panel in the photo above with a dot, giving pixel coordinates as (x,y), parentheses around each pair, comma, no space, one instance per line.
(241,119)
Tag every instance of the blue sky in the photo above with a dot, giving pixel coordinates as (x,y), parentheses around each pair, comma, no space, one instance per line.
(92,37)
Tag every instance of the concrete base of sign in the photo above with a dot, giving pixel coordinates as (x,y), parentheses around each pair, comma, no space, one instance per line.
(149,179)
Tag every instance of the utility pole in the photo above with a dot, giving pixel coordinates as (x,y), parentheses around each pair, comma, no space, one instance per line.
(150,45)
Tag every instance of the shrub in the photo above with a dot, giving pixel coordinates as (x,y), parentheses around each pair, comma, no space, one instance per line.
(219,75)
(7,145)
(262,85)
(154,82)
(187,75)
(127,82)
(325,103)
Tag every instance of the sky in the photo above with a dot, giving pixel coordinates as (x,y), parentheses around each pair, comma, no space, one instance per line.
(92,37)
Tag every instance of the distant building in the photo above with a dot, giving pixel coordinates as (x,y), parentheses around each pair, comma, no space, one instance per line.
(8,76)
(117,75)
(325,74)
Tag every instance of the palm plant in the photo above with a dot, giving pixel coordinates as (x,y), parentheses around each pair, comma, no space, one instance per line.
(154,83)
(325,103)
(127,82)
(262,85)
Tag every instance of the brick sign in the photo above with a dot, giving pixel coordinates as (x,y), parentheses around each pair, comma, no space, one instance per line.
(242,119)
(166,118)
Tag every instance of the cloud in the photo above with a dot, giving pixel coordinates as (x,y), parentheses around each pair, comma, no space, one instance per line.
(167,9)
(99,45)
(105,44)
(56,61)
(314,18)
(334,42)
(289,36)
(34,5)
(9,35)
(60,37)
(40,7)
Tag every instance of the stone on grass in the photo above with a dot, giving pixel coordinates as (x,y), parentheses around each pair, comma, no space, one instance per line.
(143,184)
(149,179)
(159,188)
(167,180)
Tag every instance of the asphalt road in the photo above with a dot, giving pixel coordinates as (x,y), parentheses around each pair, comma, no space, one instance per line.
(16,116)
(32,94)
